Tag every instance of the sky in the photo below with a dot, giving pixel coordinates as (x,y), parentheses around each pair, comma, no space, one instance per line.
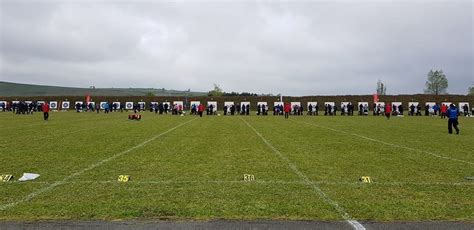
(289,47)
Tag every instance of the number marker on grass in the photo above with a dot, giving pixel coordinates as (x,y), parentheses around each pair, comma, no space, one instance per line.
(123,178)
(365,179)
(5,178)
(249,177)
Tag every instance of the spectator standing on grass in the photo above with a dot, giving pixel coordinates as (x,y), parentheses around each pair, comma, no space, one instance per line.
(200,109)
(287,110)
(444,111)
(45,111)
(452,114)
(388,110)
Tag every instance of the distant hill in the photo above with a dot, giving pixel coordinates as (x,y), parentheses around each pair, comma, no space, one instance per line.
(17,89)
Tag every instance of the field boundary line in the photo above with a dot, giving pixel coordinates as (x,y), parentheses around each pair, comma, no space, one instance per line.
(354,223)
(394,183)
(93,166)
(387,143)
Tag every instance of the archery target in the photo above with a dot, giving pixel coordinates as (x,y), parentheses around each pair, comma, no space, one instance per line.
(245,103)
(53,105)
(228,104)
(277,103)
(128,105)
(415,104)
(141,105)
(396,104)
(194,103)
(40,102)
(102,104)
(28,102)
(382,106)
(313,104)
(214,105)
(461,105)
(446,103)
(364,104)
(65,105)
(430,107)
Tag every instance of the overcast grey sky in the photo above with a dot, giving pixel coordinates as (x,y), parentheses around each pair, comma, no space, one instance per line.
(293,48)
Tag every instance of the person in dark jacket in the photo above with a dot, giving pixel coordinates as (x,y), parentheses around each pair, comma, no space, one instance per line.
(452,114)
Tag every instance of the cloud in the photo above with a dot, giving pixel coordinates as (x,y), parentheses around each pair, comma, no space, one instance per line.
(293,48)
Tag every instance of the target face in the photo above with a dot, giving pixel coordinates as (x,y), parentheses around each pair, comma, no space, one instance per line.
(195,103)
(295,103)
(461,105)
(396,104)
(446,103)
(214,105)
(313,104)
(141,105)
(415,104)
(102,104)
(129,105)
(40,102)
(65,105)
(277,103)
(53,105)
(245,103)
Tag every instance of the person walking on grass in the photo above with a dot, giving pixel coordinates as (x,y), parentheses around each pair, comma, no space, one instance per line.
(452,114)
(200,109)
(388,110)
(45,111)
(444,111)
(287,110)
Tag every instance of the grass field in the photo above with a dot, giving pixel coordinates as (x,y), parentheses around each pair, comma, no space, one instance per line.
(305,168)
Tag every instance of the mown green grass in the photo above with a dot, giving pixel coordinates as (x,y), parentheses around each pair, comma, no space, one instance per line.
(196,171)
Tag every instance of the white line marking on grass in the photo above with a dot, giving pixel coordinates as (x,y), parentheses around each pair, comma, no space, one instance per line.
(387,143)
(354,223)
(268,182)
(65,180)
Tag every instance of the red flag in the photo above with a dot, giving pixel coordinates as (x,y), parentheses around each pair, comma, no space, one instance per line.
(376,98)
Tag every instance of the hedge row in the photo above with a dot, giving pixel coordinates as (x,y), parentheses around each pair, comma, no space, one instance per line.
(354,99)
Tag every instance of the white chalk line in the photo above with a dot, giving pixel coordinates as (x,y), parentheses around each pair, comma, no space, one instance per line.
(354,223)
(259,182)
(389,144)
(67,178)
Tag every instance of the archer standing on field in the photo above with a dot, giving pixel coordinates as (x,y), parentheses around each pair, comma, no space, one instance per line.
(45,111)
(452,114)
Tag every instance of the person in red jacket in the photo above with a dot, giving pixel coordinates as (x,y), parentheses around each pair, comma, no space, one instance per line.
(200,109)
(444,110)
(388,110)
(45,111)
(287,109)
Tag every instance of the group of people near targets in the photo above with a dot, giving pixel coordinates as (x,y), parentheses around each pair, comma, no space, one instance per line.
(444,111)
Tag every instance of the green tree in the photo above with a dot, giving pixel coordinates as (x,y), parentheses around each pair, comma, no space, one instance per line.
(471,90)
(437,82)
(381,88)
(216,92)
